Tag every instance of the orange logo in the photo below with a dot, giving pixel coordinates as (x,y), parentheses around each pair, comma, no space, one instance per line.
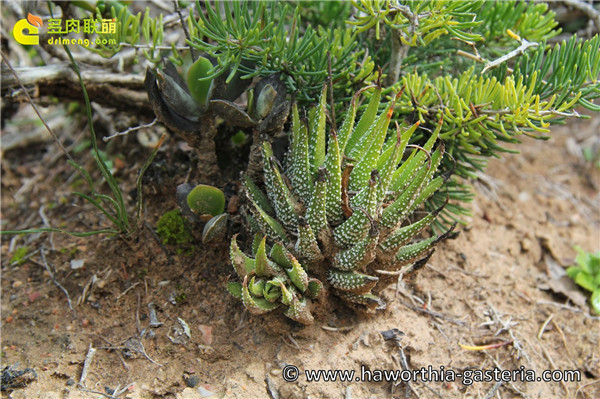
(31,25)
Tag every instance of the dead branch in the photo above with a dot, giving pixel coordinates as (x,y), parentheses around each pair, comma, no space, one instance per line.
(587,9)
(115,90)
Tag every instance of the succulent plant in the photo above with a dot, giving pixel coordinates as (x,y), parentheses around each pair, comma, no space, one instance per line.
(340,210)
(182,105)
(203,203)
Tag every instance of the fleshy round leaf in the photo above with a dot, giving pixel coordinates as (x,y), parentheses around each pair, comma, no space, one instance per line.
(206,200)
(200,89)
(215,228)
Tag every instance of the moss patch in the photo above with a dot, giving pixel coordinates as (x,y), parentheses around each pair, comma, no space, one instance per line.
(20,256)
(172,230)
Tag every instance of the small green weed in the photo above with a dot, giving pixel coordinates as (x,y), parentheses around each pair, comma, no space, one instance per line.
(587,275)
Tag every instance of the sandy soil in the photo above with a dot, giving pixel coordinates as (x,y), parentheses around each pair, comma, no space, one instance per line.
(497,283)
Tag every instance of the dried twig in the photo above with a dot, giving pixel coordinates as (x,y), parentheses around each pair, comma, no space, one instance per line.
(294,344)
(490,394)
(580,389)
(87,290)
(506,325)
(113,348)
(63,72)
(46,224)
(510,383)
(567,307)
(435,314)
(131,129)
(110,89)
(127,290)
(543,327)
(53,278)
(86,365)
(564,341)
(525,44)
(337,329)
(135,344)
(6,80)
(555,368)
(159,241)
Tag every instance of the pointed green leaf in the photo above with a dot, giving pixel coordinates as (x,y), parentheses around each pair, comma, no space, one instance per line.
(356,227)
(357,283)
(315,215)
(343,134)
(299,311)
(314,288)
(277,191)
(333,165)
(409,253)
(282,256)
(358,255)
(316,138)
(372,302)
(287,295)
(299,167)
(256,287)
(306,246)
(363,125)
(405,173)
(263,265)
(256,306)
(269,226)
(400,209)
(404,234)
(272,290)
(258,196)
(388,167)
(370,148)
(256,240)
(235,289)
(298,276)
(242,263)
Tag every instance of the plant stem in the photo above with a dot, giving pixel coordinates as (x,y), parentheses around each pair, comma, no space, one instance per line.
(525,44)
(399,51)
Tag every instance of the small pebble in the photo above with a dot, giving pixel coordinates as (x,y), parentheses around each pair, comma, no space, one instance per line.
(206,332)
(205,392)
(70,382)
(192,381)
(525,245)
(9,319)
(34,295)
(77,263)
(17,284)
